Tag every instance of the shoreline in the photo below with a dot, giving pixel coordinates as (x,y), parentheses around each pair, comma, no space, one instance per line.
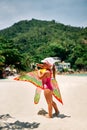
(73,73)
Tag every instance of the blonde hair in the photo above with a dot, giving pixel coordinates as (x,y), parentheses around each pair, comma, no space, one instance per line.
(54,71)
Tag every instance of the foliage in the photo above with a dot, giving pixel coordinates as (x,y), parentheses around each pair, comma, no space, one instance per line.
(28,42)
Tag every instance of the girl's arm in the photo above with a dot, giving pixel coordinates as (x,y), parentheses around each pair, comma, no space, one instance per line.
(42,75)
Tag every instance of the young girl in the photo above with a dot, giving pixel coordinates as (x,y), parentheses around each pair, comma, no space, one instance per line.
(46,76)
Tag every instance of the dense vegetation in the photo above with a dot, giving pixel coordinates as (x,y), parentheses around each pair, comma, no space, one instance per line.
(28,42)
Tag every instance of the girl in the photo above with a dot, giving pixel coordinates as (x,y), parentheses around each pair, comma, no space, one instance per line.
(46,76)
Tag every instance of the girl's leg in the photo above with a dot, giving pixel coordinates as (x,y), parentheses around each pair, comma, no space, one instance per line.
(55,107)
(48,96)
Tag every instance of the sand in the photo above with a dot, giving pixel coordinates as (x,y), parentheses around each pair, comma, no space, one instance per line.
(18,109)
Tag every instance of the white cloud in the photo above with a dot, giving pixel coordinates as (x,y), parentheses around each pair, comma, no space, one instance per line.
(72,12)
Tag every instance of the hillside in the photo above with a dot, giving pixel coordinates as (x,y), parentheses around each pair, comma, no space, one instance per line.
(30,41)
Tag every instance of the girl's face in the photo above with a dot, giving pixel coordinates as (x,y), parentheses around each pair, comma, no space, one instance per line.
(46,66)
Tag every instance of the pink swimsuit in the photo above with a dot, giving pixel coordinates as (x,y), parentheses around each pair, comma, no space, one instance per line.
(47,83)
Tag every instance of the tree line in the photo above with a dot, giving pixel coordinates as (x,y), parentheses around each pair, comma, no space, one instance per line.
(28,42)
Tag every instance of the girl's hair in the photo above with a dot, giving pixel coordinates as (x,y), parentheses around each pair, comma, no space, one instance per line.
(54,71)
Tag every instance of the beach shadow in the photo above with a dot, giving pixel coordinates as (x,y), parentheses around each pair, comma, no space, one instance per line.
(17,125)
(5,117)
(61,116)
(42,112)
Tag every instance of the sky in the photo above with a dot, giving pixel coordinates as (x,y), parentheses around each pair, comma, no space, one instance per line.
(68,12)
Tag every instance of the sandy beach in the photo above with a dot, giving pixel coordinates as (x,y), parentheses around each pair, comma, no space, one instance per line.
(17,106)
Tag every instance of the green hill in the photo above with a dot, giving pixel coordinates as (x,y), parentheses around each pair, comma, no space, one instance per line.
(30,41)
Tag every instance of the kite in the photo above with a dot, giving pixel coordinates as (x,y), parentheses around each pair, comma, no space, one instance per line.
(33,78)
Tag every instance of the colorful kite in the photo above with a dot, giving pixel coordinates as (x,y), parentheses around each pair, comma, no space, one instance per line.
(33,78)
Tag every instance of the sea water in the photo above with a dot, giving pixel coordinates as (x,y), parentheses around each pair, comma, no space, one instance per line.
(79,74)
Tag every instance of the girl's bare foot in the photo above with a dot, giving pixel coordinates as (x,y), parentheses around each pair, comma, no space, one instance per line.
(47,115)
(57,113)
